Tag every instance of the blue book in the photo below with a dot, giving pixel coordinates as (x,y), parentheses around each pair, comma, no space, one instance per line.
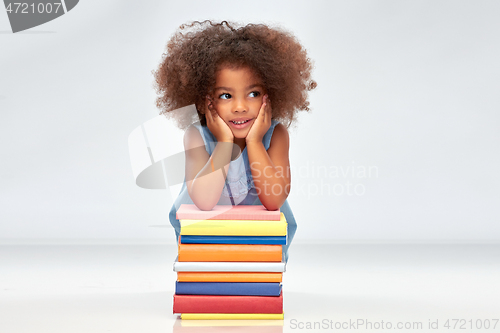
(271,240)
(228,288)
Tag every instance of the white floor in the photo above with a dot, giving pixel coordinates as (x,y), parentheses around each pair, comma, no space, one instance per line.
(129,288)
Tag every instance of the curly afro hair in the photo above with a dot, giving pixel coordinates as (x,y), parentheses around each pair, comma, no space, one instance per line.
(186,73)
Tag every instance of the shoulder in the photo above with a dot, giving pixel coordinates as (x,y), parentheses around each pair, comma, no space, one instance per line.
(192,137)
(280,136)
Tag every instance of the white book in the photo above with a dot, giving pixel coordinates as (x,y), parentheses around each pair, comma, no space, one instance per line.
(210,266)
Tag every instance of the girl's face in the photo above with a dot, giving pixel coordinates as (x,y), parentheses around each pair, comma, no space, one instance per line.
(238,97)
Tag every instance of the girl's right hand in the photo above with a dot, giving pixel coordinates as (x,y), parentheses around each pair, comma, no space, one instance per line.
(215,123)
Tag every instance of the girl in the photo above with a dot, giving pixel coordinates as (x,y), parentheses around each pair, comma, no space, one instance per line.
(247,83)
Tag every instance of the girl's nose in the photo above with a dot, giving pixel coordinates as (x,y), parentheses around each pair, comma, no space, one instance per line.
(240,105)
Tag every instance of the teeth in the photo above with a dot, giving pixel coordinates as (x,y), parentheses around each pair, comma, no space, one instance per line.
(239,122)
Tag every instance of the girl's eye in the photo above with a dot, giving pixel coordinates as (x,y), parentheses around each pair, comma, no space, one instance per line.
(225,96)
(254,94)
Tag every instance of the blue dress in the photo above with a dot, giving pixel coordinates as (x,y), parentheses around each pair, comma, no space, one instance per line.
(239,188)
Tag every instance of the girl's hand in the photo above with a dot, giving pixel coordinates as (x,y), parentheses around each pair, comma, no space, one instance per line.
(262,123)
(216,125)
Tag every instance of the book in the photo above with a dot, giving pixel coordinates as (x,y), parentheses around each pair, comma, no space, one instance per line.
(213,323)
(200,239)
(228,304)
(229,277)
(233,316)
(228,288)
(185,324)
(227,212)
(234,227)
(229,322)
(229,252)
(200,266)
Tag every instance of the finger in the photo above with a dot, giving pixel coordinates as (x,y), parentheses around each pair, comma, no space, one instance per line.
(215,115)
(266,109)
(269,108)
(262,112)
(213,111)
(262,109)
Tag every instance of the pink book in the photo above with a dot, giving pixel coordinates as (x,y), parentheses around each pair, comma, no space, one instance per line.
(228,212)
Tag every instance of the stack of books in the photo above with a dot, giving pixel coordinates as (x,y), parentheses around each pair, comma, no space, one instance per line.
(230,263)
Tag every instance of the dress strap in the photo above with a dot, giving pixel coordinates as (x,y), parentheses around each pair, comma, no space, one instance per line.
(267,137)
(209,139)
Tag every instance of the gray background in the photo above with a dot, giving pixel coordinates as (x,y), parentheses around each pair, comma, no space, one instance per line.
(409,88)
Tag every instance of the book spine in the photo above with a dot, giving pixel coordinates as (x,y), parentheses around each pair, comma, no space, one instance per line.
(234,227)
(199,239)
(229,266)
(229,277)
(228,304)
(240,316)
(228,288)
(227,212)
(228,216)
(229,253)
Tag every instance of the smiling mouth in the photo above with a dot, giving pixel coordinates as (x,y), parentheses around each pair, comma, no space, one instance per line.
(240,122)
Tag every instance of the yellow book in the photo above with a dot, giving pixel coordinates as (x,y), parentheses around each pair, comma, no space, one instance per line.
(221,316)
(234,227)
(228,322)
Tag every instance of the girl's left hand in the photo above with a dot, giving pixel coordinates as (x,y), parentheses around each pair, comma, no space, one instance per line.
(262,123)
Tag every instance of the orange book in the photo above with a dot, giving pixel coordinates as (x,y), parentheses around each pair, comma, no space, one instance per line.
(229,277)
(229,252)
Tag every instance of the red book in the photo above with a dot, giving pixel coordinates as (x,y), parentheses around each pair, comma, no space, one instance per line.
(228,304)
(228,212)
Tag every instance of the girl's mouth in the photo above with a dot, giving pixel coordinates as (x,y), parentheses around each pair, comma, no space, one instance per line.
(240,124)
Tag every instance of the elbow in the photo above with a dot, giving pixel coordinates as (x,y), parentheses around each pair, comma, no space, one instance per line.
(204,206)
(275,204)
(272,207)
(203,203)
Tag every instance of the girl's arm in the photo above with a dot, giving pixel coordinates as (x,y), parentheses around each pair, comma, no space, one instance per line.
(206,175)
(204,186)
(271,168)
